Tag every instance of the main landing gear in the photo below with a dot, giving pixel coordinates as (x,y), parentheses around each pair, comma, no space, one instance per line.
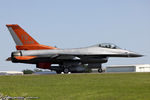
(63,71)
(66,70)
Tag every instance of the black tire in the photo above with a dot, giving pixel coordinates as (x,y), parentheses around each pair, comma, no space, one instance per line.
(66,70)
(100,70)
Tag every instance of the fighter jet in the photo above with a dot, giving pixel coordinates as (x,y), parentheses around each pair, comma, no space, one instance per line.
(29,51)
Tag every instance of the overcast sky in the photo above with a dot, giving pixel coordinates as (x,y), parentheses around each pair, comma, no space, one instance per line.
(78,23)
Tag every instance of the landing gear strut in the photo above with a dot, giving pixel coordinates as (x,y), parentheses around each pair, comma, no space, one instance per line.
(100,69)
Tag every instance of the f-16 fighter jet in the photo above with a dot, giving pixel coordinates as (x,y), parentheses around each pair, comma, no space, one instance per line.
(29,51)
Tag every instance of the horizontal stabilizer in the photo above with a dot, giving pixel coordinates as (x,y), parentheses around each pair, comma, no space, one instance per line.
(8,59)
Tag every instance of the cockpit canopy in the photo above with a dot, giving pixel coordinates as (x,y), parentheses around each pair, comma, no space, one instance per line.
(108,45)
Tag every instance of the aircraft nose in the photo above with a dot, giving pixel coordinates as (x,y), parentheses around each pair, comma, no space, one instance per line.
(132,54)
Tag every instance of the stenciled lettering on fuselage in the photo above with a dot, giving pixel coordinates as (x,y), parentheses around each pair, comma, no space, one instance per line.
(26,39)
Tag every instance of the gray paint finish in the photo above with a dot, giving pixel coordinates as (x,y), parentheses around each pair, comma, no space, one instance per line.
(87,51)
(15,37)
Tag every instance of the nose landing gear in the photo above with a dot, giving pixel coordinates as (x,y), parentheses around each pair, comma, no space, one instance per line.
(100,69)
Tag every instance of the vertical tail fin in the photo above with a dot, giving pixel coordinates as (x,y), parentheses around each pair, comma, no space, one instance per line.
(23,40)
(20,36)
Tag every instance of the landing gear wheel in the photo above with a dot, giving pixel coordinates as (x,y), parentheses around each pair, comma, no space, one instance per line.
(66,70)
(100,70)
